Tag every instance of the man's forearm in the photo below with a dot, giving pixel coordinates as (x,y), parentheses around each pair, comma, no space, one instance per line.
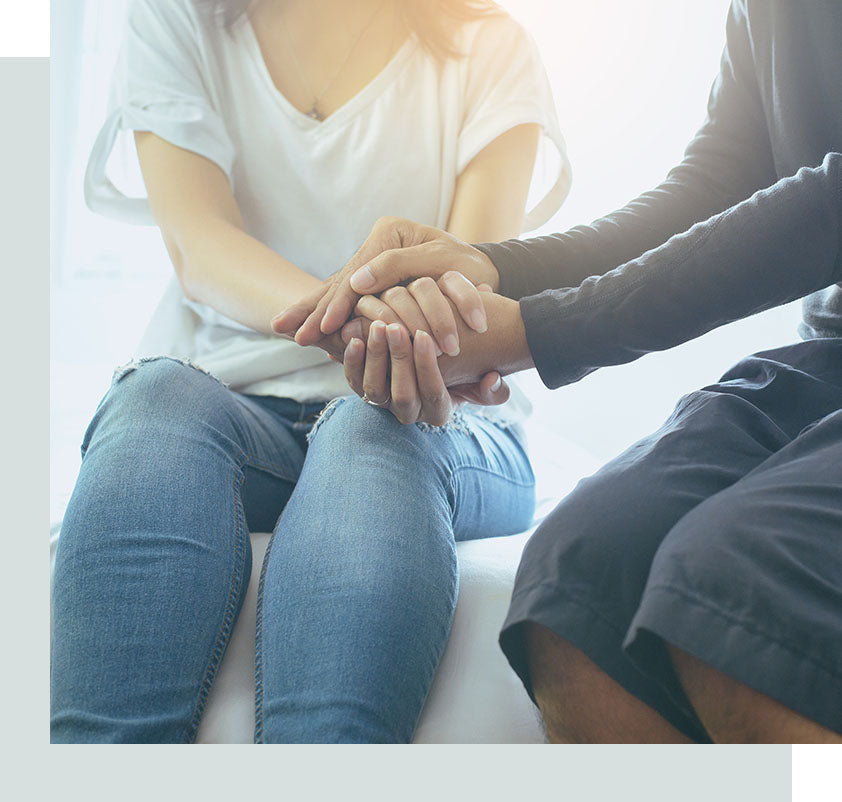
(779,245)
(727,161)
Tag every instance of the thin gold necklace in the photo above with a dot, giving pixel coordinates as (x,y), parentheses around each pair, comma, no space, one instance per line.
(314,111)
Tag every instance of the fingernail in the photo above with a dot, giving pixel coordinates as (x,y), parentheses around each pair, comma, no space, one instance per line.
(451,345)
(363,279)
(377,331)
(354,346)
(496,386)
(393,334)
(478,321)
(422,341)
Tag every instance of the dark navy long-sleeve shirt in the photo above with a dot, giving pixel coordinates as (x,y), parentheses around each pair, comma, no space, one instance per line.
(758,230)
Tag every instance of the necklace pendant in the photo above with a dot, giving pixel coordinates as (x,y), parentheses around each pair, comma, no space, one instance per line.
(315,114)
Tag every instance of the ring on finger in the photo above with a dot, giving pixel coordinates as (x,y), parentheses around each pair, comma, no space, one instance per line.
(374,403)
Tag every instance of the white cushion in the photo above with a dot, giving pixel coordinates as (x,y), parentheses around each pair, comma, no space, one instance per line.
(475,696)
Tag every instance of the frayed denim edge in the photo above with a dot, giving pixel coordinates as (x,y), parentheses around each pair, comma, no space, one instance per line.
(456,422)
(122,371)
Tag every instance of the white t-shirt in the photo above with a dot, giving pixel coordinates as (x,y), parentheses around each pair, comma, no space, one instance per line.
(311,190)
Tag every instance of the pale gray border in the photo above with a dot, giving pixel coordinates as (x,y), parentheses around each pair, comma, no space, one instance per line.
(433,774)
(25,216)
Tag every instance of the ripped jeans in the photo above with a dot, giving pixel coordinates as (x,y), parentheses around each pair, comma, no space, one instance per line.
(359,582)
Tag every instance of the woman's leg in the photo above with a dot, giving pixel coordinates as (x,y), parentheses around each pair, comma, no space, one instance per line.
(154,555)
(360,580)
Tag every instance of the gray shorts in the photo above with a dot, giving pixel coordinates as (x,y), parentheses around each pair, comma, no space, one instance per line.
(721,533)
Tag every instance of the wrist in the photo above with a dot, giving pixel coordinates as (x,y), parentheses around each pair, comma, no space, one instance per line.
(510,336)
(487,271)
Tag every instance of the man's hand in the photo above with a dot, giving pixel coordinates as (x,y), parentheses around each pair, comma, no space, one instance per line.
(395,252)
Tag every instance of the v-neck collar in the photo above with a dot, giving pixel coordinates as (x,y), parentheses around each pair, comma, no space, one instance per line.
(349,108)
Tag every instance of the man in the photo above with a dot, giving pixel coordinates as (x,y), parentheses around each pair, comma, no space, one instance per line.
(691,590)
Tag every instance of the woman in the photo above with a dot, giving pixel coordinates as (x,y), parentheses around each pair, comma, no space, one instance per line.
(270,139)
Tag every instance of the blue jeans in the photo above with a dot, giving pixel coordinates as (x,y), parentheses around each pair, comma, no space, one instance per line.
(359,582)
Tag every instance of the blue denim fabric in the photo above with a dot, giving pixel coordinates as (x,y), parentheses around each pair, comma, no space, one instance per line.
(358,586)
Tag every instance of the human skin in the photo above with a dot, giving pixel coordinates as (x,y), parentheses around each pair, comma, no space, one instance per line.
(396,252)
(220,265)
(404,375)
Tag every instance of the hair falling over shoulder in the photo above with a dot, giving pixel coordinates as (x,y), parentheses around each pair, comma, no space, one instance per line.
(434,22)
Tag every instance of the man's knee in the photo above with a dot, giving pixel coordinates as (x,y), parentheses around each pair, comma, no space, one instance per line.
(732,712)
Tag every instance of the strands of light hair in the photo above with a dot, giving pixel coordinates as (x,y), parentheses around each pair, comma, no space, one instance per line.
(434,22)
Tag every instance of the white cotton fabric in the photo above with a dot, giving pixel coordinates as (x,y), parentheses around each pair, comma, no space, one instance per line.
(311,190)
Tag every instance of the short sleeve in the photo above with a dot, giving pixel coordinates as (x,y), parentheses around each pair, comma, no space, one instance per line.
(162,84)
(507,85)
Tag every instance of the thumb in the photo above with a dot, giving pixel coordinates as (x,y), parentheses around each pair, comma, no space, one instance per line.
(489,391)
(390,268)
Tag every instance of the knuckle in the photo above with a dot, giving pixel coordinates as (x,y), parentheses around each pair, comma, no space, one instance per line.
(422,284)
(452,275)
(402,398)
(434,398)
(387,222)
(394,294)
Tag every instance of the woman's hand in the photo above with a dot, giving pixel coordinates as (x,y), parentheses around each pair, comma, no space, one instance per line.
(395,252)
(407,378)
(404,377)
(423,305)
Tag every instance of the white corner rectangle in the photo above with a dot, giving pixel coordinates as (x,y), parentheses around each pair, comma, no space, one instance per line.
(25,27)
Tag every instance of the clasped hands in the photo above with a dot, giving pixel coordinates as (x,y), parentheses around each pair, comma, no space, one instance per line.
(415,321)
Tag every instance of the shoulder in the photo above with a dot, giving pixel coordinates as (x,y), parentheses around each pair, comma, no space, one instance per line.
(495,32)
(180,19)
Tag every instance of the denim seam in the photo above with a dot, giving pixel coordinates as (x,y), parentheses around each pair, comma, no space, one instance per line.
(746,625)
(461,468)
(258,651)
(228,616)
(255,462)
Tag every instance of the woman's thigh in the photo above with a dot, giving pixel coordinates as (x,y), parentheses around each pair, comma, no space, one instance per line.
(154,556)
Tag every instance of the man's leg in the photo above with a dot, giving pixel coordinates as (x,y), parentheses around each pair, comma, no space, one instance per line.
(734,713)
(580,703)
(745,593)
(586,566)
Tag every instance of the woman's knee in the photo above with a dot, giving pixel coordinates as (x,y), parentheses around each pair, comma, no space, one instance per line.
(149,396)
(357,432)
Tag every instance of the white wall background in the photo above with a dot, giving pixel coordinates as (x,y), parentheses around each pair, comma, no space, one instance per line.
(630,80)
